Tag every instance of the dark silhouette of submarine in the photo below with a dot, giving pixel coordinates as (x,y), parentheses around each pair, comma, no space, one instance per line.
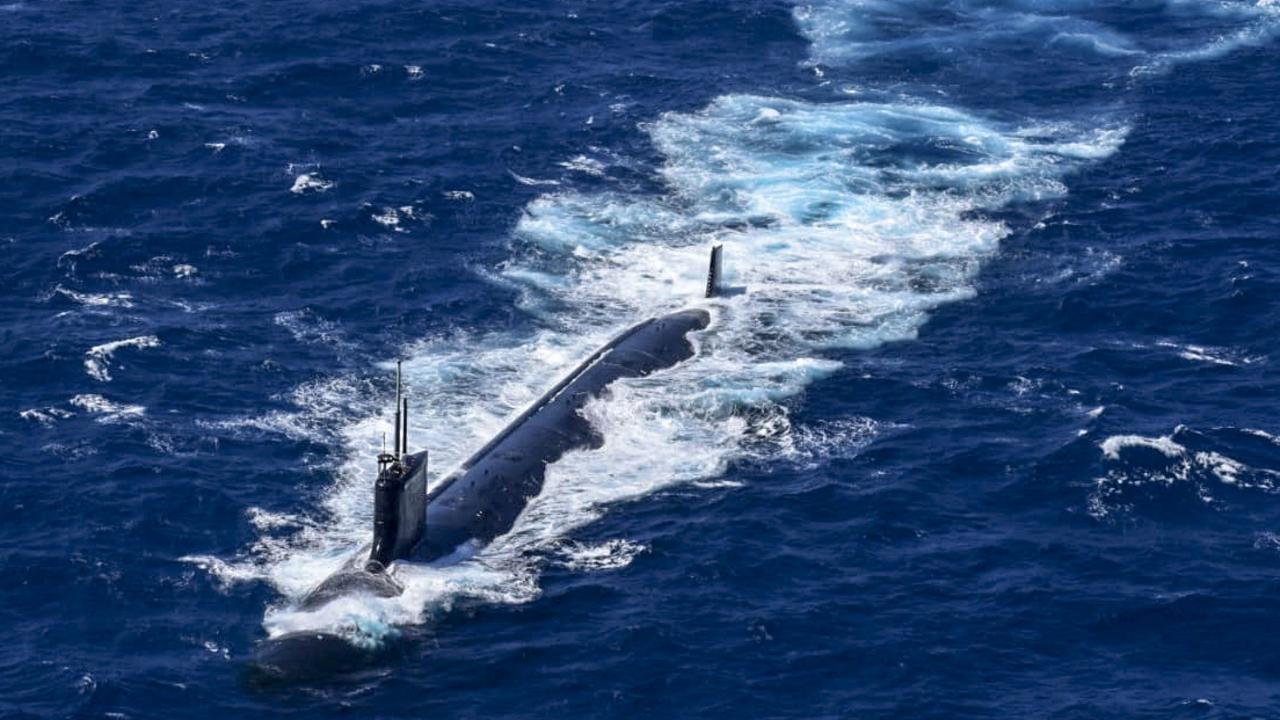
(482,498)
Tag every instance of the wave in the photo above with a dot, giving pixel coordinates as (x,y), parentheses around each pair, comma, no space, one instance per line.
(107,411)
(610,555)
(45,416)
(1210,355)
(1154,473)
(994,32)
(97,361)
(308,183)
(96,300)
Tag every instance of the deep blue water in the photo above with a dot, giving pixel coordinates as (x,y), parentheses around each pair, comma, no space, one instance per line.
(990,432)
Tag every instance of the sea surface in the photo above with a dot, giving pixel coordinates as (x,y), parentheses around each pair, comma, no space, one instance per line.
(989,427)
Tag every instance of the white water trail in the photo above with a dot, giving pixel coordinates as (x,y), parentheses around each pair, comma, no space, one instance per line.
(845,32)
(845,223)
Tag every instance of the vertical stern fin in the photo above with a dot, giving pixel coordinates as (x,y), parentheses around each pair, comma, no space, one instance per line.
(714,271)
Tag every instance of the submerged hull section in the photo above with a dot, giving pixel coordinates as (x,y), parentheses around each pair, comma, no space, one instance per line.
(482,499)
(305,656)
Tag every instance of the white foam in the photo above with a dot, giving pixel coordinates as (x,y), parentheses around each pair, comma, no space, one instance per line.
(1181,465)
(215,649)
(388,217)
(1112,446)
(107,410)
(1267,541)
(97,361)
(70,257)
(813,444)
(533,182)
(116,299)
(1260,25)
(844,32)
(226,574)
(45,416)
(1213,356)
(1275,439)
(309,182)
(609,555)
(322,404)
(1109,45)
(720,484)
(585,165)
(832,231)
(307,327)
(266,520)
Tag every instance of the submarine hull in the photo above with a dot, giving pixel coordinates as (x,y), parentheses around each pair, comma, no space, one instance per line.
(480,500)
(483,497)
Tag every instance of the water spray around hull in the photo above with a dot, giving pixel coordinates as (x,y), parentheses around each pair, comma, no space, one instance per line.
(482,498)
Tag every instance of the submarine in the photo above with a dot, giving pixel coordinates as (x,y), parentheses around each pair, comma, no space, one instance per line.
(483,497)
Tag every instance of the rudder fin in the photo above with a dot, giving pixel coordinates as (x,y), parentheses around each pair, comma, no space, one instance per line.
(714,271)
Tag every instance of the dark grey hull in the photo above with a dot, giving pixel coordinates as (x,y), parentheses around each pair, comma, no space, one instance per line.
(483,497)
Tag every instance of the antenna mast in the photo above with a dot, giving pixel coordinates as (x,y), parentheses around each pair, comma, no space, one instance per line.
(397,429)
(404,444)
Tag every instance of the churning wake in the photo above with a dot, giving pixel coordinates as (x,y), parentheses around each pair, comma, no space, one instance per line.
(845,223)
(1006,33)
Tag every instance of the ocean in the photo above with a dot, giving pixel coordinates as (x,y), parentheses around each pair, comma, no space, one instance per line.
(986,429)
